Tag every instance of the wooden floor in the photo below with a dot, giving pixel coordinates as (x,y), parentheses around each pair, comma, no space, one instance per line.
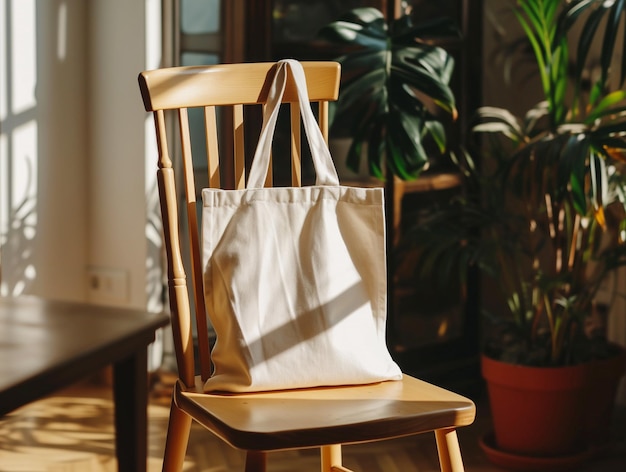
(73,432)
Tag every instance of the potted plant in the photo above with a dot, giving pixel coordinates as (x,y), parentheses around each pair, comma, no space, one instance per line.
(395,92)
(544,219)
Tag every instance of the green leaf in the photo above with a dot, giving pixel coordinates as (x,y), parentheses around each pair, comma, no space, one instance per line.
(496,127)
(421,69)
(498,120)
(603,107)
(353,158)
(367,16)
(362,27)
(599,181)
(610,37)
(532,26)
(495,113)
(570,14)
(359,104)
(404,139)
(357,64)
(391,77)
(578,151)
(611,128)
(533,116)
(436,130)
(376,149)
(585,41)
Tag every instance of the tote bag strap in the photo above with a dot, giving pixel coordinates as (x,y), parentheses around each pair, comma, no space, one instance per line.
(325,171)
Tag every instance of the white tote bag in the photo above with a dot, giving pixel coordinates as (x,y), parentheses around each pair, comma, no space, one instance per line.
(295,278)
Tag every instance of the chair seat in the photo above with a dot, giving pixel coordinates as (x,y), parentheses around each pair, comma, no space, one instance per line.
(313,417)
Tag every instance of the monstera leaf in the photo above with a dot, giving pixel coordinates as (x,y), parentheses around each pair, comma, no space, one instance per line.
(394,89)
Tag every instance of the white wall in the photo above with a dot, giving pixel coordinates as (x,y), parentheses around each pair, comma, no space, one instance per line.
(44,153)
(116,194)
(63,135)
(73,197)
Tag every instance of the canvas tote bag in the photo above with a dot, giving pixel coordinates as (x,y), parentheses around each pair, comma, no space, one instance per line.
(295,278)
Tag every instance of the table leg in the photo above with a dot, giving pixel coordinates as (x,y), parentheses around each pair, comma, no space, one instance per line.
(130,377)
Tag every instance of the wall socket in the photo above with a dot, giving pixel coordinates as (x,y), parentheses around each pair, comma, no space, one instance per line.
(107,285)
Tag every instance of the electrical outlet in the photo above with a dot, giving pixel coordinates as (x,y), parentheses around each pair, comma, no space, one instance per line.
(107,285)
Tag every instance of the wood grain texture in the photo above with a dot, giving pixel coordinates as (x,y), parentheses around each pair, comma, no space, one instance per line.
(318,416)
(47,345)
(227,84)
(73,431)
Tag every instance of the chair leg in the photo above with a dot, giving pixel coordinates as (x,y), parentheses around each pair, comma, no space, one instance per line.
(256,461)
(177,438)
(450,458)
(331,456)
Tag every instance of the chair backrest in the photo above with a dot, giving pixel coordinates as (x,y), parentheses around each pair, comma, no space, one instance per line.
(227,88)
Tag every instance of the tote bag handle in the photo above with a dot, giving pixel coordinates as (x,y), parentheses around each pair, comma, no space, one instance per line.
(325,171)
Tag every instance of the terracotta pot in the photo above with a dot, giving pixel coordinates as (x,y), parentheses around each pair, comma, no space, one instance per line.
(537,411)
(550,412)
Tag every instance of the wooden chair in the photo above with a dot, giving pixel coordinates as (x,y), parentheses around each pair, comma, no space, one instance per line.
(263,422)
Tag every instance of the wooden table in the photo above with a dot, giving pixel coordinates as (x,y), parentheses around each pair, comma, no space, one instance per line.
(47,345)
